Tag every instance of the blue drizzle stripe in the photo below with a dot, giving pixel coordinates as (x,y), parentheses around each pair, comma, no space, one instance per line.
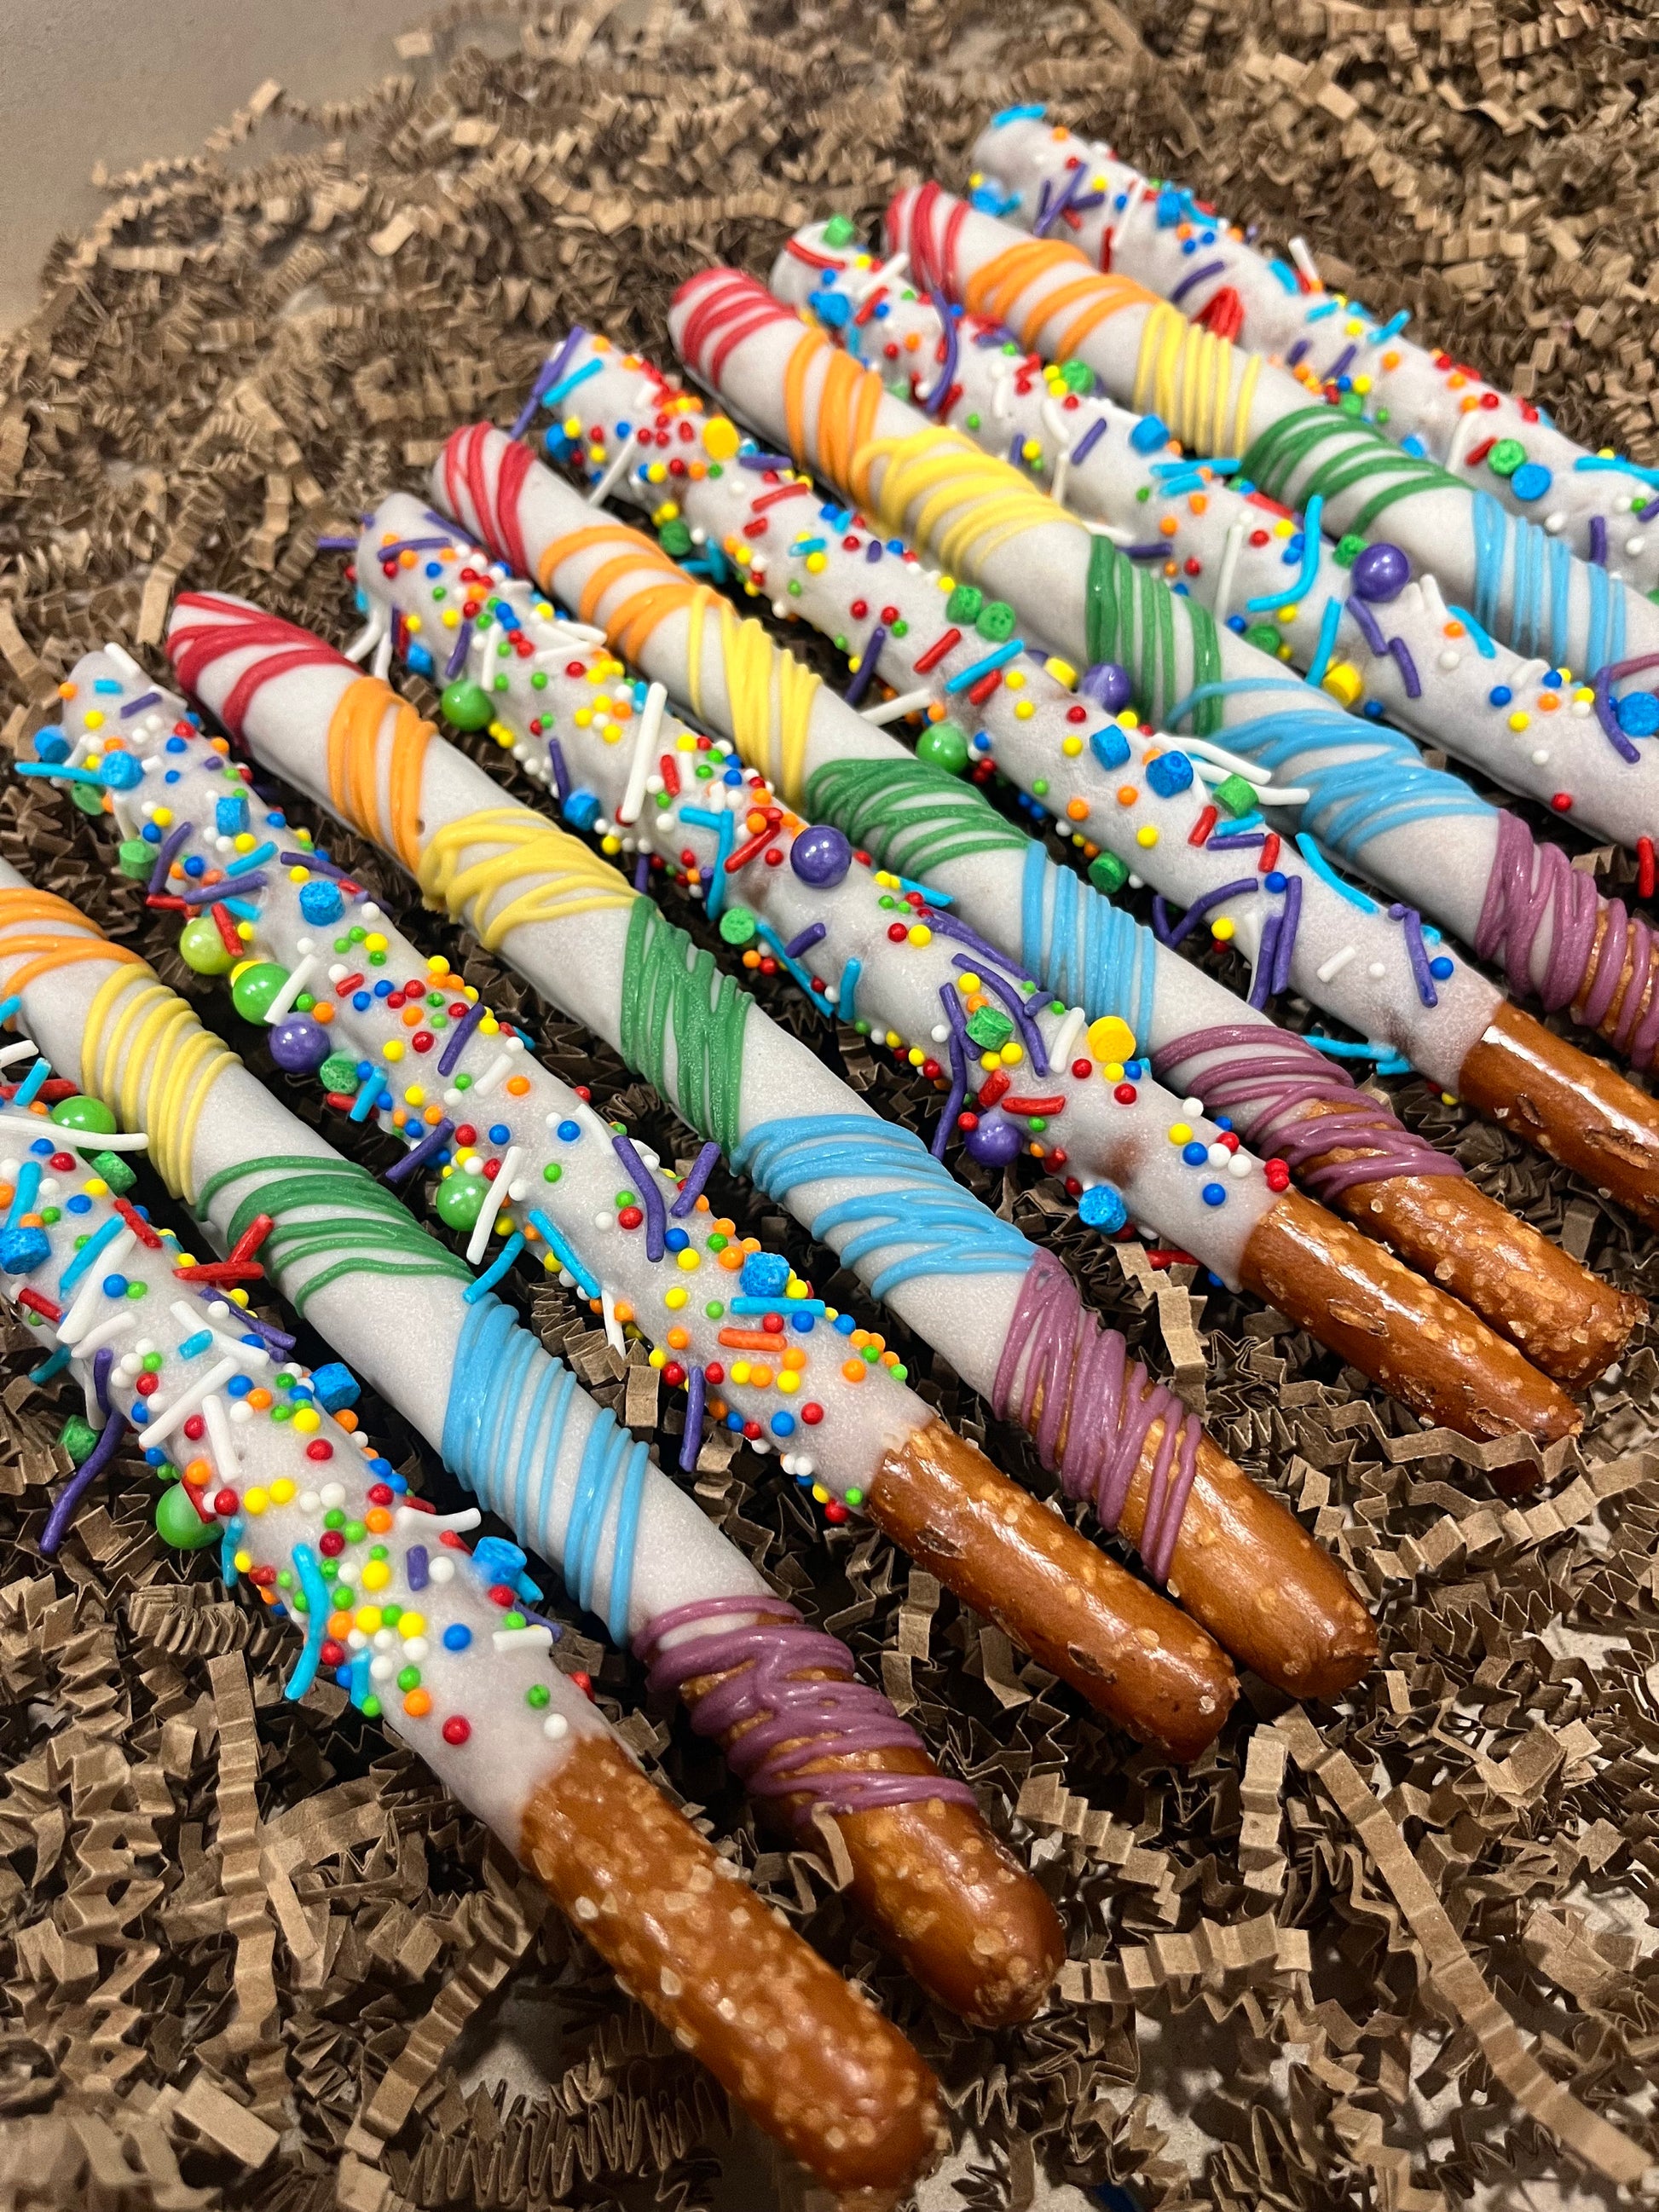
(1382,783)
(1542,567)
(504,1429)
(924,1224)
(315,1590)
(1085,949)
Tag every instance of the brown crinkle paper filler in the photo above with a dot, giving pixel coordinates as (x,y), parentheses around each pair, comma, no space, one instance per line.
(1396,1953)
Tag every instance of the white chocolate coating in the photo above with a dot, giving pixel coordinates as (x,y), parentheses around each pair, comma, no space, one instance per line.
(1024,728)
(1527,588)
(1235,553)
(1439,862)
(899,983)
(1447,406)
(287,1494)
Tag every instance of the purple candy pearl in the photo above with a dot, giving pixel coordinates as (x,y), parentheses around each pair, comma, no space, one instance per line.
(1109,685)
(298,1045)
(821,856)
(1380,572)
(994,1142)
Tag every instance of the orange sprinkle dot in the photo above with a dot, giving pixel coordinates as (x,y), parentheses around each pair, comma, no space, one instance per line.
(413,1017)
(378,1519)
(323,1012)
(418,1703)
(852,1369)
(339,1627)
(1077,809)
(347,1419)
(197,1473)
(1167,526)
(732,1259)
(1126,794)
(260,1400)
(517,1085)
(1548,702)
(679,1339)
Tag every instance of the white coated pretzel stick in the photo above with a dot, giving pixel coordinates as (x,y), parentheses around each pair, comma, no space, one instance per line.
(791,547)
(1267,575)
(1522,585)
(1046,177)
(411,1622)
(1421,834)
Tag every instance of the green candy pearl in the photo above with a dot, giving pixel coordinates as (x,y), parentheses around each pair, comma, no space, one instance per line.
(80,1113)
(178,1524)
(466,704)
(201,947)
(338,1072)
(942,744)
(460,1201)
(256,988)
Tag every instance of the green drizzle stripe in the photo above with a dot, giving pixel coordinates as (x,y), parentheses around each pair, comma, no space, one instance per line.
(1274,460)
(661,985)
(369,1227)
(908,815)
(1132,617)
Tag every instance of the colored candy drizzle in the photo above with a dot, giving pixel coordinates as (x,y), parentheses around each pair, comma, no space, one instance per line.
(1543,566)
(912,817)
(366,1230)
(1089,952)
(668,983)
(1130,617)
(1089,1409)
(503,1432)
(780,1725)
(1269,1080)
(1593,945)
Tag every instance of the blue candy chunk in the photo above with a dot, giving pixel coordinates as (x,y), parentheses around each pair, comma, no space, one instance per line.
(21,1249)
(334,1386)
(1108,746)
(1102,1207)
(581,810)
(321,902)
(1169,774)
(765,1275)
(230,816)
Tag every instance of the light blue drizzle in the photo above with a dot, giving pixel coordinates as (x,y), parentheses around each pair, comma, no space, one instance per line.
(925,1224)
(1085,949)
(1383,784)
(315,1590)
(1309,569)
(504,1386)
(1541,566)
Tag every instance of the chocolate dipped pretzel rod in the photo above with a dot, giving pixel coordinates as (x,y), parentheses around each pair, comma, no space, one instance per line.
(1337,1290)
(1521,584)
(1269,576)
(1278,1091)
(432,1639)
(1052,183)
(783,1700)
(1014,1318)
(1361,790)
(1119,1644)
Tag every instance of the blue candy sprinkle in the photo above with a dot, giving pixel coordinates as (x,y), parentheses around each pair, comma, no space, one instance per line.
(457,1636)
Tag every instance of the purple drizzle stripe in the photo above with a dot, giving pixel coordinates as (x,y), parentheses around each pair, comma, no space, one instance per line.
(944,924)
(778,1724)
(1264,1079)
(864,674)
(1266,962)
(319,863)
(91,1467)
(1604,680)
(951,1002)
(814,933)
(170,844)
(1407,668)
(1416,952)
(460,1037)
(1059,1358)
(457,659)
(1195,276)
(1028,1028)
(934,404)
(1368,623)
(210,894)
(102,1360)
(555,761)
(691,1189)
(547,377)
(1172,936)
(418,1154)
(696,1389)
(656,1213)
(1289,916)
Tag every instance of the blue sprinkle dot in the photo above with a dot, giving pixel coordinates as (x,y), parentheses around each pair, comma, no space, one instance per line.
(170,775)
(845,1324)
(195,865)
(41,1147)
(434,568)
(1440,968)
(115,1286)
(570,1131)
(362,1000)
(499,1133)
(802,1323)
(1372,710)
(79,1204)
(457,1636)
(1499,695)
(1214,1194)
(734,1421)
(783,1425)
(383,989)
(239,1386)
(149,833)
(1275,879)
(676,1240)
(1531,481)
(1194,1154)
(175,745)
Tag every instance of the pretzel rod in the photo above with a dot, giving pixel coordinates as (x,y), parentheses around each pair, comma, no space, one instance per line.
(1049,180)
(429,1638)
(781,1697)
(1269,576)
(1352,1299)
(1267,1084)
(1121,1644)
(1522,585)
(1424,836)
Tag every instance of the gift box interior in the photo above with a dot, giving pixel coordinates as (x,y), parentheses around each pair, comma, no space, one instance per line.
(1394,1951)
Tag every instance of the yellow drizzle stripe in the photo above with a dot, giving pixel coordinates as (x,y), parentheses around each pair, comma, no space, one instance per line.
(353,735)
(1184,376)
(146,1055)
(568,880)
(770,695)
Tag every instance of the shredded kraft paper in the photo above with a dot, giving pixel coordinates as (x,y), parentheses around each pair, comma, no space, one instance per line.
(1397,1953)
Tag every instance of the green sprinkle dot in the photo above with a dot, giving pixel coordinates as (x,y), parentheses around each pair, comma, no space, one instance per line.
(1348,550)
(334,1518)
(408,1678)
(551,1172)
(537,1695)
(372,1708)
(715,1309)
(513,1621)
(354,1532)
